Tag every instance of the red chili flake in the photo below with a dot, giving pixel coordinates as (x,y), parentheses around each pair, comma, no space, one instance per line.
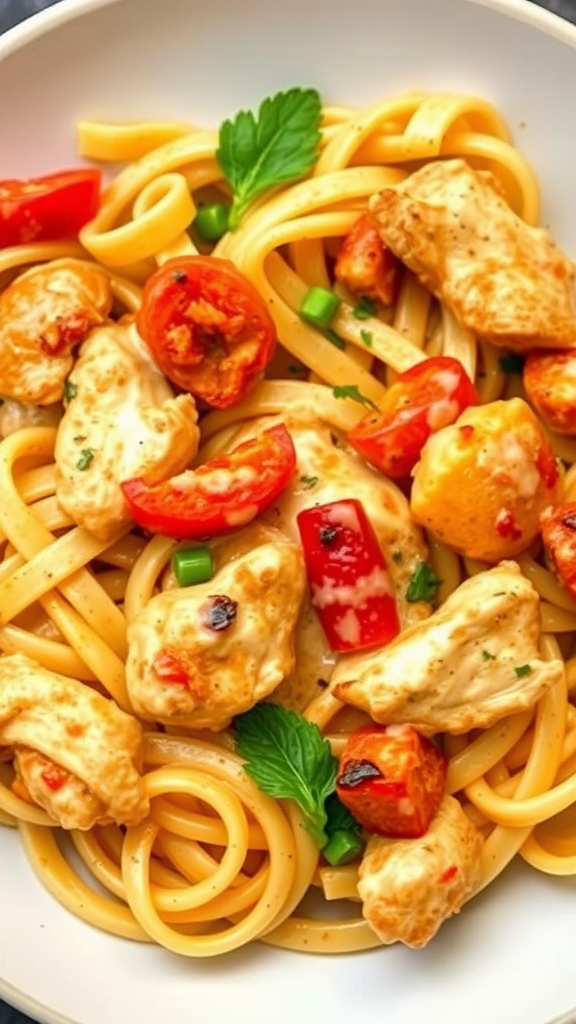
(53,777)
(169,669)
(466,431)
(506,525)
(448,874)
(547,467)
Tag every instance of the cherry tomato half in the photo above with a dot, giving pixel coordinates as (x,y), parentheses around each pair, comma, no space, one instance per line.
(421,400)
(50,208)
(220,496)
(207,327)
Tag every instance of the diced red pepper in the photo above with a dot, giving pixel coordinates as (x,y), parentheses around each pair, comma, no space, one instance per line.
(391,779)
(421,400)
(350,585)
(220,496)
(50,208)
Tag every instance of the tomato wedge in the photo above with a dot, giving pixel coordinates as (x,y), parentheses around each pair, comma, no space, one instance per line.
(391,779)
(220,496)
(207,327)
(50,208)
(421,400)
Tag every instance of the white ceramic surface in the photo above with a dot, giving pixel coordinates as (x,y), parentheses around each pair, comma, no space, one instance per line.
(510,957)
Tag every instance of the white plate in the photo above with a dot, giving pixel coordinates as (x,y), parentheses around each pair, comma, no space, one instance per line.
(510,957)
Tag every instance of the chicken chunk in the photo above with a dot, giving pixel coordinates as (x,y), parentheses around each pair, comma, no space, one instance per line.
(482,483)
(44,314)
(505,281)
(122,420)
(327,472)
(202,654)
(76,753)
(16,416)
(409,887)
(473,662)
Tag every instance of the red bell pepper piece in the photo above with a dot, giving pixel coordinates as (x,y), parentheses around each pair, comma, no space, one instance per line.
(54,777)
(220,496)
(50,208)
(391,779)
(349,580)
(421,400)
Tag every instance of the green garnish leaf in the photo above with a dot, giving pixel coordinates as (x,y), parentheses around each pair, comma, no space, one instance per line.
(289,759)
(308,482)
(277,145)
(364,309)
(424,584)
(352,391)
(488,656)
(86,456)
(335,339)
(523,670)
(70,390)
(366,337)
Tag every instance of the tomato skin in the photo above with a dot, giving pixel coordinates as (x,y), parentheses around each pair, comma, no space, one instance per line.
(391,779)
(219,496)
(421,400)
(558,528)
(207,327)
(50,208)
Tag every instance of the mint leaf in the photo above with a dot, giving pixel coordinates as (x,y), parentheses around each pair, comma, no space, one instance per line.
(279,144)
(288,758)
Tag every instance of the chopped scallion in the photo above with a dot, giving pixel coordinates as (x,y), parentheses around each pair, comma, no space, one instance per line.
(192,565)
(343,847)
(318,307)
(211,221)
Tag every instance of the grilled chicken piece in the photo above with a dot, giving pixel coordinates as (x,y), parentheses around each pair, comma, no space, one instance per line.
(76,754)
(202,654)
(122,420)
(505,281)
(44,314)
(409,887)
(473,662)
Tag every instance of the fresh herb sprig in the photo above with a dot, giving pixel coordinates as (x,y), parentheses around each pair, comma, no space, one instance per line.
(288,758)
(278,144)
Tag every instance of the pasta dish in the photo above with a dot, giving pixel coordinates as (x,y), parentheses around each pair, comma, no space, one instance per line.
(288,568)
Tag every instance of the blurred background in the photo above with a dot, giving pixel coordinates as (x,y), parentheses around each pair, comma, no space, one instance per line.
(13,11)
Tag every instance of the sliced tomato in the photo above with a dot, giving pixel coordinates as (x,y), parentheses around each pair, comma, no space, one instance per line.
(549,379)
(51,208)
(558,527)
(207,327)
(391,779)
(421,400)
(223,494)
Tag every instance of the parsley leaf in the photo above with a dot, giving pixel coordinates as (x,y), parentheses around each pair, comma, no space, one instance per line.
(365,308)
(424,584)
(288,758)
(278,144)
(352,391)
(86,456)
(522,670)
